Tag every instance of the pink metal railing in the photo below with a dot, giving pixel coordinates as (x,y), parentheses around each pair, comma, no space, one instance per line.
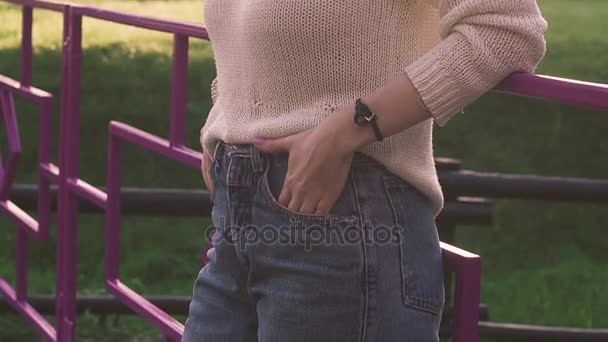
(71,187)
(26,224)
(48,172)
(556,89)
(466,266)
(121,133)
(74,187)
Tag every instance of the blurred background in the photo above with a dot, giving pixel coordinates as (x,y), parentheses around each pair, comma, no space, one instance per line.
(543,262)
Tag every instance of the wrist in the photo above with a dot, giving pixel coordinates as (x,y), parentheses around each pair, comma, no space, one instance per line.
(345,134)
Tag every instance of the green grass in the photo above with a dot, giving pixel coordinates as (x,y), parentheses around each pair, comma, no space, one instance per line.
(544,262)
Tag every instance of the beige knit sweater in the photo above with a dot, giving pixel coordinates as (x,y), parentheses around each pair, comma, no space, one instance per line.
(285,65)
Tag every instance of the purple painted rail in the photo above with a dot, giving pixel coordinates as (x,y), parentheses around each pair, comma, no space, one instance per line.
(37,228)
(72,188)
(466,266)
(48,172)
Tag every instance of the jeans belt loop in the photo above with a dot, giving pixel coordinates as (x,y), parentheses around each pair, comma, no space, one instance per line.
(217,150)
(257,160)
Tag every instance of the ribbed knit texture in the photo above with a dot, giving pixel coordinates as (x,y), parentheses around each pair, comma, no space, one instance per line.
(283,66)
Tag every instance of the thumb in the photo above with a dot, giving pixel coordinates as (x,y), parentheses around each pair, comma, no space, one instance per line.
(281,144)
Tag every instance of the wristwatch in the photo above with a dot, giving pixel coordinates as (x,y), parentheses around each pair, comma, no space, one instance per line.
(366,117)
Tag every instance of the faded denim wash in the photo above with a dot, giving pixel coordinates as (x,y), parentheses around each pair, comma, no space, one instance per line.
(274,275)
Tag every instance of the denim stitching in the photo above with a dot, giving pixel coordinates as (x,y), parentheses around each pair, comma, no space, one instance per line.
(239,180)
(416,302)
(365,320)
(232,224)
(402,260)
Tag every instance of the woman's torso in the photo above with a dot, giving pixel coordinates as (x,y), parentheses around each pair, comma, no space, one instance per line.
(283,66)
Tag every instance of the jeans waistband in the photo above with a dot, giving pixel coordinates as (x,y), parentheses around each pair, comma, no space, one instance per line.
(258,158)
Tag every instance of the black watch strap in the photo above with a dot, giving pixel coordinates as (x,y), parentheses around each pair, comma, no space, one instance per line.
(364,116)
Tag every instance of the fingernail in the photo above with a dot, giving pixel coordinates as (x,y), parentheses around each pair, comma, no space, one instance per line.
(258,141)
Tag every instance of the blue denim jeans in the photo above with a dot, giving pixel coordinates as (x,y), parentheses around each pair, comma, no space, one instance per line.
(371,270)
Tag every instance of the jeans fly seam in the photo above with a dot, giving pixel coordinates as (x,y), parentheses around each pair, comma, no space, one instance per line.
(236,241)
(363,327)
(402,261)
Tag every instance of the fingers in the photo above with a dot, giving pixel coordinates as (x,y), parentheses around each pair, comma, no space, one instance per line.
(290,197)
(296,204)
(282,144)
(308,184)
(303,202)
(309,206)
(285,196)
(323,207)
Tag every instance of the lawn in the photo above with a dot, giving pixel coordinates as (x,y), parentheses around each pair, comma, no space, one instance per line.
(544,262)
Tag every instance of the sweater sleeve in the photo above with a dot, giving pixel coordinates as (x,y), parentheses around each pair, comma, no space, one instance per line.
(482,42)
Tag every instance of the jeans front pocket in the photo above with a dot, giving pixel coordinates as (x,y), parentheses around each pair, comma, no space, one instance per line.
(272,183)
(274,202)
(420,252)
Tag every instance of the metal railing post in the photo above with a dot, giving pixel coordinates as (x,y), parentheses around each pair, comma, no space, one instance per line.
(179,80)
(68,158)
(26,46)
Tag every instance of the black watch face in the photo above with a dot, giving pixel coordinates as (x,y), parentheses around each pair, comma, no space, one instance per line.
(360,119)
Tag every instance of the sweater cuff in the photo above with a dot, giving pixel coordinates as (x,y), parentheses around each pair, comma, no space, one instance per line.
(439,93)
